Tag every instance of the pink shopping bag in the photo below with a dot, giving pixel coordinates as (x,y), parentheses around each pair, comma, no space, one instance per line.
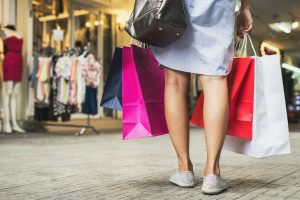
(142,94)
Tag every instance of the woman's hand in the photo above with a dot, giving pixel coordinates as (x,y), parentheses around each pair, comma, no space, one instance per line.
(244,22)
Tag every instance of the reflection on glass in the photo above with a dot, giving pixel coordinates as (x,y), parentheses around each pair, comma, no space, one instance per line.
(86,29)
(47,16)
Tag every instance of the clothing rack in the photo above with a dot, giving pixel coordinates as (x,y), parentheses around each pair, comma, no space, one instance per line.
(83,128)
(88,125)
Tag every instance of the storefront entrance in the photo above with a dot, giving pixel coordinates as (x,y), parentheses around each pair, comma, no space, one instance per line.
(80,25)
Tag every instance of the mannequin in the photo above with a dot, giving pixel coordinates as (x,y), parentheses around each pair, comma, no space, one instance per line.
(1,56)
(12,73)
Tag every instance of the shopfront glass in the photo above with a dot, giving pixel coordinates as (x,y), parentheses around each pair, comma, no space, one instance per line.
(86,29)
(81,25)
(48,16)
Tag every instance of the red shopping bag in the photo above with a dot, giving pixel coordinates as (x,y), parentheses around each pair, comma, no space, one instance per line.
(142,94)
(241,94)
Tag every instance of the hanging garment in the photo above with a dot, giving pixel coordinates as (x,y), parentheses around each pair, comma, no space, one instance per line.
(56,108)
(63,74)
(13,61)
(92,72)
(41,112)
(81,85)
(43,80)
(73,82)
(207,45)
(90,106)
(66,68)
(32,77)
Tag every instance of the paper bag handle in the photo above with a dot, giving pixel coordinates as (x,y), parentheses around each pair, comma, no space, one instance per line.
(242,45)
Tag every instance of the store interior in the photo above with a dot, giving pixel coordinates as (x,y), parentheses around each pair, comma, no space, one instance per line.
(278,25)
(95,27)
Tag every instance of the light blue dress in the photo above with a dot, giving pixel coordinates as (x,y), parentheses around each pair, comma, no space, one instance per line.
(207,45)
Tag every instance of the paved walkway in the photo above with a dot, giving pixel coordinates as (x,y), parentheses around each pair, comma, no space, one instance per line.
(41,166)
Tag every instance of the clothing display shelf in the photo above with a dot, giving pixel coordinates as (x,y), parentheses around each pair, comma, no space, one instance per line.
(73,51)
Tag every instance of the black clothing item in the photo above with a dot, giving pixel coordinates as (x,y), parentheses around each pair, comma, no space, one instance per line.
(41,112)
(90,106)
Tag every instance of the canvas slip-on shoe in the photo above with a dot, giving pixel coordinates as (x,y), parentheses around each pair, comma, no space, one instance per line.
(213,184)
(183,179)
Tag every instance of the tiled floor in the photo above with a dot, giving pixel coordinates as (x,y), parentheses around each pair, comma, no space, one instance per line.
(45,166)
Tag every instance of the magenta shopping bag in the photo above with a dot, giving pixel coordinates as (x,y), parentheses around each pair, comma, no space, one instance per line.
(142,94)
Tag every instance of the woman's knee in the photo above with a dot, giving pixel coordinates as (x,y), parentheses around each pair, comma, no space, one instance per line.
(209,80)
(177,79)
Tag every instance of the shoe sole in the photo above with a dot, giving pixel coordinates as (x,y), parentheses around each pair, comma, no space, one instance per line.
(183,185)
(212,191)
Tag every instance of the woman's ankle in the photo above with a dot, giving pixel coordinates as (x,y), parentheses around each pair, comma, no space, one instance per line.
(212,170)
(188,166)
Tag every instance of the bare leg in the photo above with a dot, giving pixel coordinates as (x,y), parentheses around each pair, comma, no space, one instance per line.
(13,108)
(7,89)
(176,109)
(215,119)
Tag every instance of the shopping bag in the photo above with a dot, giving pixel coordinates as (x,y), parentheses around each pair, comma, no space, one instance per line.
(270,125)
(142,94)
(112,94)
(241,94)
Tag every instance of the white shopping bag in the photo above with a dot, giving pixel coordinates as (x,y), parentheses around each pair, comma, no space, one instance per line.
(270,125)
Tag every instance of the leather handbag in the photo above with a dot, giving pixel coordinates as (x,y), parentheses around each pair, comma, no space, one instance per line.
(157,22)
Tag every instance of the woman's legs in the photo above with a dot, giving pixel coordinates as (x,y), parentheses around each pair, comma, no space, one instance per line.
(215,119)
(177,116)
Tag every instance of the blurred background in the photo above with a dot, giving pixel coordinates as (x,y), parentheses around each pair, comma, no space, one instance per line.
(58,25)
(42,159)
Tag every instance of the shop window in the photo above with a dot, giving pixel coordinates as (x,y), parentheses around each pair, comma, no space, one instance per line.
(49,15)
(86,29)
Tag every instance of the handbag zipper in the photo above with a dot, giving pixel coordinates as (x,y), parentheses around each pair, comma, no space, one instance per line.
(143,15)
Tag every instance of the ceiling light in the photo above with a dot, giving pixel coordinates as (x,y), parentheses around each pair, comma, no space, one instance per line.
(291,68)
(281,27)
(119,20)
(284,28)
(295,24)
(88,24)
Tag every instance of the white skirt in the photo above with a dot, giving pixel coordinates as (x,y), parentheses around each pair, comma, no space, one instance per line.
(207,45)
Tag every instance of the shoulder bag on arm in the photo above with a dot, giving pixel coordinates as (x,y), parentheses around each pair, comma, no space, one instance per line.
(157,22)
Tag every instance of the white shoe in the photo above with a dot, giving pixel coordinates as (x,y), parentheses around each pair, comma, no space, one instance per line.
(7,129)
(183,179)
(213,184)
(18,129)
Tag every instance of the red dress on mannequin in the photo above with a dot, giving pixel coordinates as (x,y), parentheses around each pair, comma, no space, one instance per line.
(13,61)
